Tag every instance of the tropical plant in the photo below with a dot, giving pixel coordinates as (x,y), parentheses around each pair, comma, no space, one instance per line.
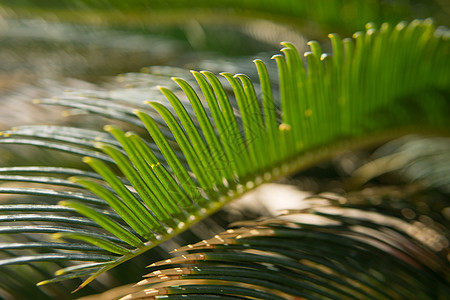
(166,164)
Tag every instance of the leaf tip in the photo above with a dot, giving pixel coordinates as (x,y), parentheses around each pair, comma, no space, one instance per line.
(206,72)
(137,112)
(73,179)
(129,134)
(333,35)
(108,128)
(57,236)
(86,159)
(142,282)
(155,105)
(42,282)
(358,34)
(99,145)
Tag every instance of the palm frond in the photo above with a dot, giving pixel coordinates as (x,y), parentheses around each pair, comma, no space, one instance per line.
(323,251)
(211,144)
(417,159)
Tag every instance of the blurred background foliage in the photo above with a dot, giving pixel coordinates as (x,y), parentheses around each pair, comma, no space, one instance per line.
(47,47)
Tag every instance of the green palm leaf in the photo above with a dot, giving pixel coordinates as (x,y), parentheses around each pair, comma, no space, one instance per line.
(203,154)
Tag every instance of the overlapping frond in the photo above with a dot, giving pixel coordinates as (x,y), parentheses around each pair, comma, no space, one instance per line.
(216,138)
(415,158)
(321,252)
